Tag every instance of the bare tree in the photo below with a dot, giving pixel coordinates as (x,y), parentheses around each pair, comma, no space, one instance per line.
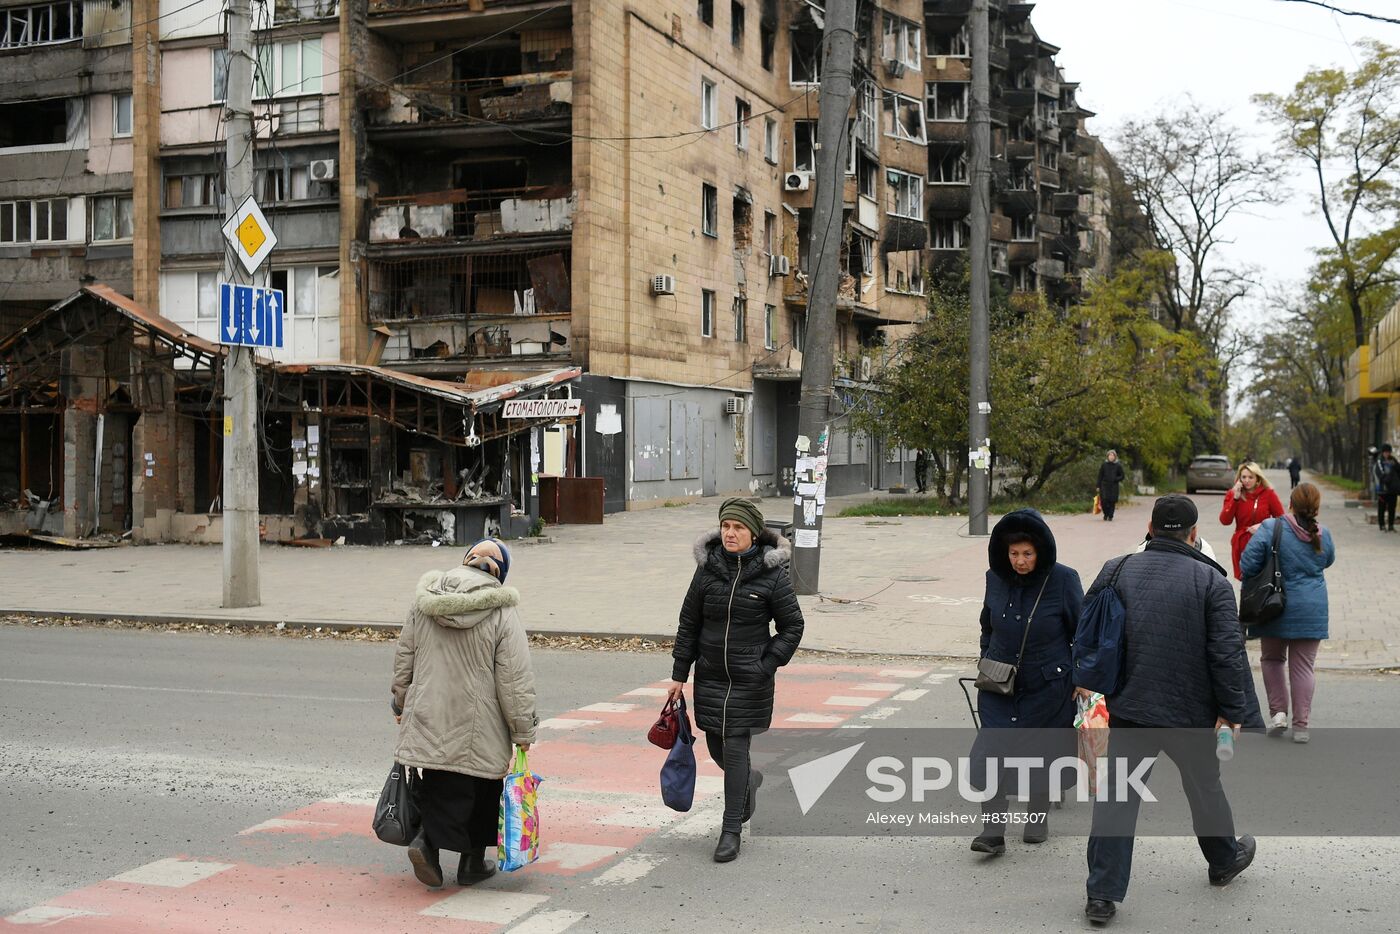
(1189,170)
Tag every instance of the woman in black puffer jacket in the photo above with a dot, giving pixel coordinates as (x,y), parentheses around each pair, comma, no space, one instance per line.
(740,585)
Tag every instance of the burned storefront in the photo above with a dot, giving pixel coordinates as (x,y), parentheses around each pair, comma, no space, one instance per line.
(111,424)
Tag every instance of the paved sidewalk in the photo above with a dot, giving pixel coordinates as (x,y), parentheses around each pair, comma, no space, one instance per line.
(907,586)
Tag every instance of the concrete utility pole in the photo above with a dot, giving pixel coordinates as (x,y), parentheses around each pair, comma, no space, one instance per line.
(240,493)
(814,411)
(979,253)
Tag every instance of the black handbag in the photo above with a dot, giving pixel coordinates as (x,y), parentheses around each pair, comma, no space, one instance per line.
(1262,596)
(996,677)
(396,818)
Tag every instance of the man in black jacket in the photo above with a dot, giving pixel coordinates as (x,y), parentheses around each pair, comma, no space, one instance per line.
(1184,671)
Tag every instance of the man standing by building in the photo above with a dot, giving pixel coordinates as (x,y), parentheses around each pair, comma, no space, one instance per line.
(1110,475)
(1184,672)
(1385,479)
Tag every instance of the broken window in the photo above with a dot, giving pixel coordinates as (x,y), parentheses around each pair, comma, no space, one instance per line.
(743,221)
(111,217)
(1050,158)
(1023,228)
(904,195)
(904,272)
(741,319)
(767,38)
(867,115)
(736,23)
(904,117)
(950,233)
(742,113)
(799,331)
(804,148)
(705,9)
(41,24)
(902,41)
(770,233)
(204,189)
(867,174)
(860,256)
(947,100)
(804,238)
(38,123)
(770,327)
(770,140)
(709,210)
(707,313)
(41,221)
(1023,279)
(805,64)
(956,44)
(948,167)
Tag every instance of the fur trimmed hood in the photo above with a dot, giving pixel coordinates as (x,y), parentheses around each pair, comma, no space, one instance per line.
(776,550)
(462,597)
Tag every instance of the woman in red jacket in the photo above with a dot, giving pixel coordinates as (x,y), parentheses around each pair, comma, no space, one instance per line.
(1250,501)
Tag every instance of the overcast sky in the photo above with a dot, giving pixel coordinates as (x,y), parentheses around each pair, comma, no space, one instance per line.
(1131,56)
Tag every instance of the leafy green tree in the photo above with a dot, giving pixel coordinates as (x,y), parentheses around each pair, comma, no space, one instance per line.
(1346,126)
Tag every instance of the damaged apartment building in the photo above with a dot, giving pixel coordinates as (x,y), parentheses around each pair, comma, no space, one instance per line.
(484,200)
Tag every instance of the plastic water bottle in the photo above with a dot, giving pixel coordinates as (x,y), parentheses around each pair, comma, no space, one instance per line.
(1225,744)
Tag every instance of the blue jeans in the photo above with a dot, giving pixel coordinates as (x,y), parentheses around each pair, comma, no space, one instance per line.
(1114,826)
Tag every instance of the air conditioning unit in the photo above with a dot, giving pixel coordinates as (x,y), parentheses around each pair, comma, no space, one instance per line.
(663,285)
(779,266)
(865,369)
(797,181)
(895,67)
(734,405)
(322,170)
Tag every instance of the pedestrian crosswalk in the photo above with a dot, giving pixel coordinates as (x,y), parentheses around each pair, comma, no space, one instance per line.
(319,867)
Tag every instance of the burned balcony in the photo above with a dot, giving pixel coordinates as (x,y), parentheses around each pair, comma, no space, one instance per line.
(535,97)
(946,200)
(472,306)
(459,214)
(1065,202)
(1022,252)
(1050,268)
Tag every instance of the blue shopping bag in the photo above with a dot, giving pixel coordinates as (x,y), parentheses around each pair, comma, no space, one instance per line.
(678,772)
(518,828)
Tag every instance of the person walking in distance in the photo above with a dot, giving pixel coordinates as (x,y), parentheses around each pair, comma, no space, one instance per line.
(740,585)
(1292,638)
(1295,472)
(1249,502)
(1385,478)
(464,691)
(1184,666)
(921,471)
(1110,475)
(1029,616)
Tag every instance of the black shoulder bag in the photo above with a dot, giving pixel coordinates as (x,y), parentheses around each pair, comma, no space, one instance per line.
(1262,596)
(1000,677)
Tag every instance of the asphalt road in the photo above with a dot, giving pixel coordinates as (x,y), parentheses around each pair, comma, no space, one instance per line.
(125,748)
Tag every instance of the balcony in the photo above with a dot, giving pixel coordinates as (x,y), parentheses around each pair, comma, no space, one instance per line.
(949,200)
(1018,100)
(1000,227)
(1018,201)
(1085,146)
(998,58)
(486,102)
(946,15)
(459,214)
(1069,119)
(1064,202)
(1020,149)
(953,68)
(1022,252)
(947,132)
(1048,223)
(1049,269)
(1050,178)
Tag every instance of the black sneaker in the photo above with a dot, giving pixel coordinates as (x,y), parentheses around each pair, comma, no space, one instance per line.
(989,844)
(1100,910)
(1243,857)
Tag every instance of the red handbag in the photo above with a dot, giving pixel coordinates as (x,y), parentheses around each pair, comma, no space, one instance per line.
(667,727)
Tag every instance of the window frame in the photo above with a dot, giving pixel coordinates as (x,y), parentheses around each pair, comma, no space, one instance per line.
(737,24)
(130,99)
(709,104)
(917,196)
(907,35)
(12,208)
(770,140)
(816,77)
(117,199)
(10,15)
(1018,224)
(810,148)
(709,210)
(959,163)
(707,313)
(770,326)
(953,224)
(743,113)
(960,39)
(741,319)
(931,113)
(897,99)
(705,11)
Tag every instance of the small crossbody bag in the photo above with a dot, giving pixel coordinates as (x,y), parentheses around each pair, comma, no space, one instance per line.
(1000,677)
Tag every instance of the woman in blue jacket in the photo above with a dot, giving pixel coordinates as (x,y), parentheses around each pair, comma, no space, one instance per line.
(1305,550)
(1031,598)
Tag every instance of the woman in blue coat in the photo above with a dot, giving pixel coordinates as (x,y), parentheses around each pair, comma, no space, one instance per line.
(1030,597)
(1305,550)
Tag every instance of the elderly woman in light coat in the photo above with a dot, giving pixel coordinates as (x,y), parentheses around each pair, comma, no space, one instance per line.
(464,691)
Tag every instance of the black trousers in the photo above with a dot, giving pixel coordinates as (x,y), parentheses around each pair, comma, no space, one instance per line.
(1114,824)
(1385,510)
(1108,505)
(732,754)
(460,812)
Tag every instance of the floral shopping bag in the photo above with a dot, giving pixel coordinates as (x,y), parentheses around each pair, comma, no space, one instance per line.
(518,830)
(1091,726)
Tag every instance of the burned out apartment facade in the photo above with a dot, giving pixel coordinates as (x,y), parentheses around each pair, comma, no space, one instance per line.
(493,199)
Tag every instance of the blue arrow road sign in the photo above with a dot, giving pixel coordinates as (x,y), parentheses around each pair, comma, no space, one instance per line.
(250,315)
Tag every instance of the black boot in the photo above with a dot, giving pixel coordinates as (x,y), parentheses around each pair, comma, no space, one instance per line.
(424,857)
(751,798)
(728,849)
(474,867)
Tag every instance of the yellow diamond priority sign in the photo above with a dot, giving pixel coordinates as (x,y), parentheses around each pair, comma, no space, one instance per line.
(250,235)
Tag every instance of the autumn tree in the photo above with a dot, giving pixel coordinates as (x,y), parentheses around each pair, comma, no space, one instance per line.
(1345,125)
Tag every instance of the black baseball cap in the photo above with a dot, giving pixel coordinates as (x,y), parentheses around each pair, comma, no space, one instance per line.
(1173,513)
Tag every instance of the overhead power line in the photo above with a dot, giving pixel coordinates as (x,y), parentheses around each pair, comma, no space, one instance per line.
(1361,14)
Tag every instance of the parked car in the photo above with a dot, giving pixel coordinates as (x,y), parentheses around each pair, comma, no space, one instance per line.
(1209,472)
